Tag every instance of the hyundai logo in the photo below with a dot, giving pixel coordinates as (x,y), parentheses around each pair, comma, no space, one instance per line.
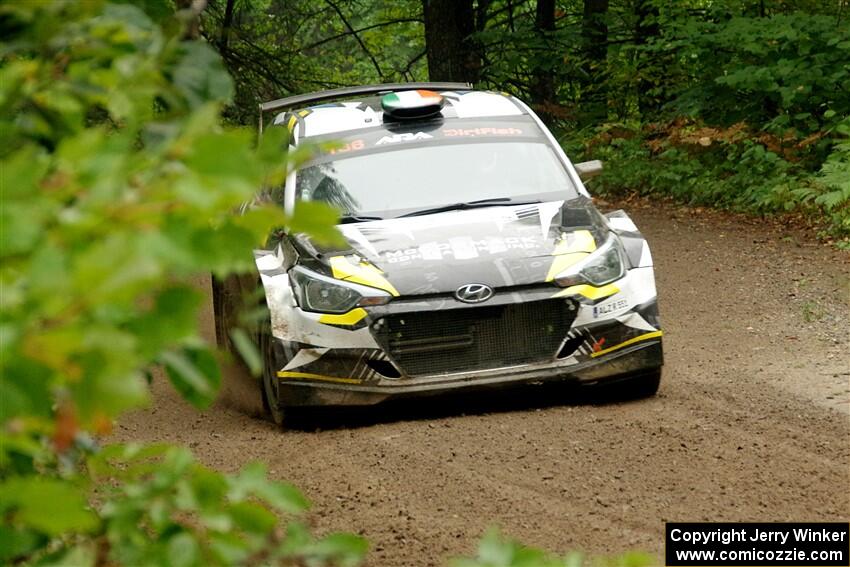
(474,293)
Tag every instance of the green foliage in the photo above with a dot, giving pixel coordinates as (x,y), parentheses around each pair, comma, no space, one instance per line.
(106,201)
(833,182)
(497,551)
(777,68)
(774,72)
(734,175)
(118,183)
(169,510)
(784,76)
(709,167)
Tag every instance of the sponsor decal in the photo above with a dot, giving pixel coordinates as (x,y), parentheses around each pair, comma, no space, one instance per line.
(472,132)
(404,137)
(430,251)
(610,307)
(462,248)
(349,147)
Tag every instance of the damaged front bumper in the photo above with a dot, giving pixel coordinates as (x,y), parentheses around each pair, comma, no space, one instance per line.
(632,360)
(431,345)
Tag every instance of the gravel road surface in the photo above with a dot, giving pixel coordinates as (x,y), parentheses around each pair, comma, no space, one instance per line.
(751,422)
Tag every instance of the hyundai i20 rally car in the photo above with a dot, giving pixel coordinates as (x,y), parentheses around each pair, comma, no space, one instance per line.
(473,256)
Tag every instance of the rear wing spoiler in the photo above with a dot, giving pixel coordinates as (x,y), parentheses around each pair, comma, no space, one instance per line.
(321,96)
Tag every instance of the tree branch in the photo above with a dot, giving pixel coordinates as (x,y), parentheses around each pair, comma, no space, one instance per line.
(404,72)
(357,37)
(355,32)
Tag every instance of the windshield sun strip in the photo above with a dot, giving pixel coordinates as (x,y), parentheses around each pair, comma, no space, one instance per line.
(329,158)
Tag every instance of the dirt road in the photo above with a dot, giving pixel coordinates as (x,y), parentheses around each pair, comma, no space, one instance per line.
(751,422)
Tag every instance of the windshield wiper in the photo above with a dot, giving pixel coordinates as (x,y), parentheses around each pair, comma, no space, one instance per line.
(345,219)
(497,202)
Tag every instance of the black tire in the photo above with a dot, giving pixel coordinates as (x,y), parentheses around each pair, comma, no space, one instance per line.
(221,314)
(634,387)
(228,298)
(643,385)
(270,384)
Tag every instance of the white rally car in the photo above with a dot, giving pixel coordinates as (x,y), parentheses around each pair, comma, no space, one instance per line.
(473,256)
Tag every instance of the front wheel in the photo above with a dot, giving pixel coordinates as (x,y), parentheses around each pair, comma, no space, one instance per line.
(643,385)
(636,386)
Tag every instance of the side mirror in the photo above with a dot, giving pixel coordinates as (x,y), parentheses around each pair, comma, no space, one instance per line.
(588,169)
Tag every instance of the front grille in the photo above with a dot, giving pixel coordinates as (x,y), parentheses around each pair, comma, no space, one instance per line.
(476,338)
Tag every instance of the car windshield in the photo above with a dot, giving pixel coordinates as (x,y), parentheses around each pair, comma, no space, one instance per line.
(391,182)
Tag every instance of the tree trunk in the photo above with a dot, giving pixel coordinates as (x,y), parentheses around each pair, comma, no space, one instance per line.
(594,34)
(646,31)
(543,81)
(594,30)
(450,50)
(226,24)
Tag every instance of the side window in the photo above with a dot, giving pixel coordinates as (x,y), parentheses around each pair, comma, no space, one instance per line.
(306,181)
(321,183)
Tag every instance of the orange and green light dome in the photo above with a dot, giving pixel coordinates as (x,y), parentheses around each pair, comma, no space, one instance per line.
(412,104)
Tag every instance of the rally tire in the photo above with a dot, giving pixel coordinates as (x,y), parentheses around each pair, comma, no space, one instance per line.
(628,387)
(228,299)
(644,385)
(222,312)
(270,384)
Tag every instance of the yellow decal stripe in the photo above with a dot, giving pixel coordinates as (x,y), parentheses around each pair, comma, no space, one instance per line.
(589,291)
(362,273)
(569,251)
(631,341)
(351,318)
(578,241)
(562,262)
(319,377)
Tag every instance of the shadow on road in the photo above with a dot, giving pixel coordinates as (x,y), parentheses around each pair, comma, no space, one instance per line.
(512,399)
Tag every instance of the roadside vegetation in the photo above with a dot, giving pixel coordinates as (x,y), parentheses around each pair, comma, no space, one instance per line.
(118,182)
(123,157)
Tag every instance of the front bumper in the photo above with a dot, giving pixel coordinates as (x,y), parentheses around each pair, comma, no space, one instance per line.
(342,360)
(636,359)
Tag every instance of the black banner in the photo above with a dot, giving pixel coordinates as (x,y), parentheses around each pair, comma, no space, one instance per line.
(757,544)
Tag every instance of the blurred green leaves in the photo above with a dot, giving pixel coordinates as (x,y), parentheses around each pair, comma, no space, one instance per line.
(118,182)
(194,373)
(117,176)
(171,510)
(49,506)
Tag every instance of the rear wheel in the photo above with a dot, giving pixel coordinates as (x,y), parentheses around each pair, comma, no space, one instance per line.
(221,313)
(231,296)
(270,384)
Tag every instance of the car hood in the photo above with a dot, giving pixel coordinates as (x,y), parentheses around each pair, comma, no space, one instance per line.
(501,246)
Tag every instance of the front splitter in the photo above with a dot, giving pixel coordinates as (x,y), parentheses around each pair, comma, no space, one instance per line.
(635,359)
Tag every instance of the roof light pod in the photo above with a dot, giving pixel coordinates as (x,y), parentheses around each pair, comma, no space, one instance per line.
(412,104)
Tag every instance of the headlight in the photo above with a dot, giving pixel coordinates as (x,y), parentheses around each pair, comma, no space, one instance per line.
(316,292)
(603,266)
